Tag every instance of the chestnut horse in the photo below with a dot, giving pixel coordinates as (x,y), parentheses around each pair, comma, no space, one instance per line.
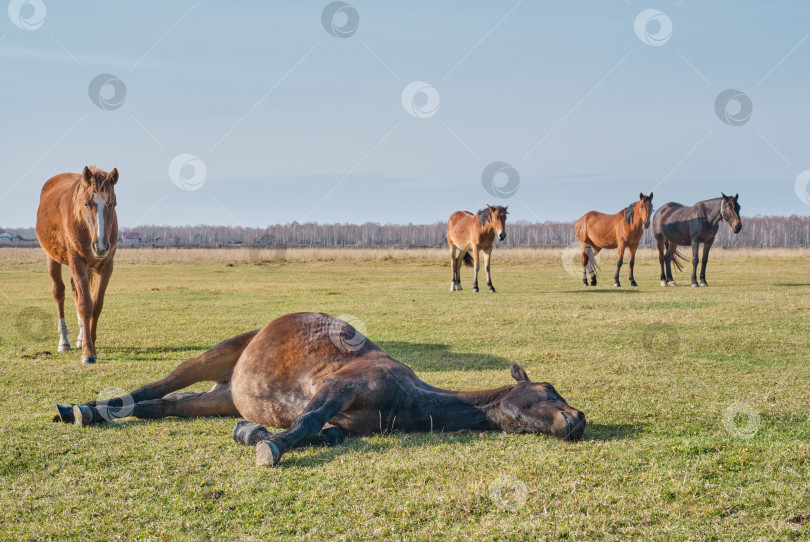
(675,224)
(77,226)
(624,229)
(303,371)
(468,234)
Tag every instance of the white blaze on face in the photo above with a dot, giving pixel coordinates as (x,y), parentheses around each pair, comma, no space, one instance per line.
(100,203)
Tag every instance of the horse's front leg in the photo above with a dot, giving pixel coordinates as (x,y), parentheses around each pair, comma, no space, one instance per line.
(619,261)
(487,256)
(323,407)
(99,289)
(633,250)
(58,290)
(84,307)
(476,259)
(454,266)
(695,250)
(706,247)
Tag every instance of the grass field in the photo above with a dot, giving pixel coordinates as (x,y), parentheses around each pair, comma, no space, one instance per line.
(698,403)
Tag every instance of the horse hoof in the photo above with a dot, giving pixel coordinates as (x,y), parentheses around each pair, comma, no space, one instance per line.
(664,283)
(634,284)
(672,283)
(704,284)
(65,414)
(459,288)
(78,344)
(267,453)
(246,432)
(64,348)
(89,359)
(617,285)
(694,285)
(475,289)
(82,415)
(492,290)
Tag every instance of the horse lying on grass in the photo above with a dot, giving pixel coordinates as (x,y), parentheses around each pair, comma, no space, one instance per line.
(303,371)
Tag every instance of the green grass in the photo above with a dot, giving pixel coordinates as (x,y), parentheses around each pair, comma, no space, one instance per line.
(654,369)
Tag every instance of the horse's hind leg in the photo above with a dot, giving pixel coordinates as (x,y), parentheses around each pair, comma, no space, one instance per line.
(216,402)
(454,264)
(592,252)
(214,365)
(58,290)
(671,248)
(695,261)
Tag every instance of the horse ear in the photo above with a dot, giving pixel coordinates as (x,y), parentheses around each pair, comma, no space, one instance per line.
(518,373)
(490,207)
(505,207)
(87,175)
(724,196)
(737,195)
(641,195)
(650,198)
(113,176)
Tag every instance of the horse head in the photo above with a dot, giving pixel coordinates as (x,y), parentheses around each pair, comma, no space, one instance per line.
(536,407)
(497,219)
(645,208)
(96,198)
(730,211)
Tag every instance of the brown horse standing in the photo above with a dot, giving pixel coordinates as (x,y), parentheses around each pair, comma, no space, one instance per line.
(77,226)
(469,233)
(306,370)
(596,231)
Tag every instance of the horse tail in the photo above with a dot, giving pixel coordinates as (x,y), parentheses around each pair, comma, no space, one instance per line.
(677,257)
(468,260)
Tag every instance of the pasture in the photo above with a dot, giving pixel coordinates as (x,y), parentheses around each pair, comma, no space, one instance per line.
(696,399)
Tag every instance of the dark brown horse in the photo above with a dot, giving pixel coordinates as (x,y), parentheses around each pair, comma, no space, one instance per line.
(77,226)
(675,224)
(624,229)
(467,234)
(306,370)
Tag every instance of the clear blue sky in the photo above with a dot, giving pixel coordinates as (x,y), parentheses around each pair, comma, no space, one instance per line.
(293,123)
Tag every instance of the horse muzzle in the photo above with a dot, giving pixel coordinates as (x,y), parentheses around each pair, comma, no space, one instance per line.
(502,236)
(99,252)
(569,425)
(646,224)
(737,227)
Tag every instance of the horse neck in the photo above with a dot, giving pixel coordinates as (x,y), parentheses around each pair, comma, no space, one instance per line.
(451,410)
(713,211)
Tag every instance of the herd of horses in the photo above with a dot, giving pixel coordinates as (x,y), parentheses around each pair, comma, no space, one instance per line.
(316,375)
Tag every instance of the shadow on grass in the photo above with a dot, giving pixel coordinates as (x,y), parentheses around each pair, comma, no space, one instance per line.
(144,350)
(607,432)
(438,357)
(605,290)
(792,284)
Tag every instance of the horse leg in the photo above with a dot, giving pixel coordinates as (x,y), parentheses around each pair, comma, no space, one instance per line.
(453,266)
(592,252)
(584,249)
(633,250)
(619,262)
(660,243)
(216,402)
(695,250)
(476,258)
(671,248)
(324,406)
(487,256)
(706,247)
(250,434)
(84,307)
(214,365)
(58,290)
(99,288)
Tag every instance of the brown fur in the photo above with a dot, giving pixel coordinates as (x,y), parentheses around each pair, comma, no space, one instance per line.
(624,229)
(67,231)
(298,372)
(468,234)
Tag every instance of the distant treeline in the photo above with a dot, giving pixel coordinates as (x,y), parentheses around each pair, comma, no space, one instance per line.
(765,231)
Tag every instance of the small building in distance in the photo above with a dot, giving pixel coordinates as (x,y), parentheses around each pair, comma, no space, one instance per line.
(6,237)
(129,237)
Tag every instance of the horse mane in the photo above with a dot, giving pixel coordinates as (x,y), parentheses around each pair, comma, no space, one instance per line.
(629,213)
(100,184)
(485,214)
